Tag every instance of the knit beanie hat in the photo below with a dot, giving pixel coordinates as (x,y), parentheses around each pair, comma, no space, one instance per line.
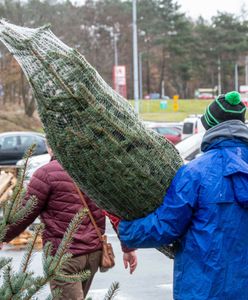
(223,108)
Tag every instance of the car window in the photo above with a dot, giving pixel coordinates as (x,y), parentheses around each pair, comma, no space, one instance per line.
(167,130)
(8,142)
(188,128)
(41,147)
(27,141)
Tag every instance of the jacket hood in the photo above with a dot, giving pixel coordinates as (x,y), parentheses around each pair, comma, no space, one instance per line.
(234,134)
(229,130)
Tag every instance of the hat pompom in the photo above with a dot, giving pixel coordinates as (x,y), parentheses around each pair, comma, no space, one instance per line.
(233,98)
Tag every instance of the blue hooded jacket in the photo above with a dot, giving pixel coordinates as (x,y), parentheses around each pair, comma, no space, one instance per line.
(205,208)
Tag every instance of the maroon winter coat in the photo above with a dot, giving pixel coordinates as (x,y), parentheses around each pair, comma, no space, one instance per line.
(58,202)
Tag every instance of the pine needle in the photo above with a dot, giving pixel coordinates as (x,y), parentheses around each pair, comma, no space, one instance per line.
(113,290)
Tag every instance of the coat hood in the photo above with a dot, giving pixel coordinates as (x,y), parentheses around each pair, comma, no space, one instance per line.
(232,137)
(229,130)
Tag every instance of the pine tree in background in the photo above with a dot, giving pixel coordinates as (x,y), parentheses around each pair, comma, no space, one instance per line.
(92,130)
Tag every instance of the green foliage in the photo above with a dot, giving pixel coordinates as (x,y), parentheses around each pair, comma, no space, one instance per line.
(23,285)
(113,290)
(13,209)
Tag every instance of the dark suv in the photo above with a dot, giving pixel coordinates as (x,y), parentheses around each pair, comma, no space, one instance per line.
(13,145)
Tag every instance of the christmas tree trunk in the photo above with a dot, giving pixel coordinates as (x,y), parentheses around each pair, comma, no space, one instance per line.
(92,130)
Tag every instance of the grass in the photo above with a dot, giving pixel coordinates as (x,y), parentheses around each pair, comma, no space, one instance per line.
(149,110)
(152,110)
(16,120)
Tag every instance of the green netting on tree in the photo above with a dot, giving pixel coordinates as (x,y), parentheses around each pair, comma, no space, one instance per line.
(92,130)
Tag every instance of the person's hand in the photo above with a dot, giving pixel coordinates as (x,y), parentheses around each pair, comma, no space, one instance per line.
(130,259)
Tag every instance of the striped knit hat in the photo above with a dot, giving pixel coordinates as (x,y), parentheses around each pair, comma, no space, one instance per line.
(223,108)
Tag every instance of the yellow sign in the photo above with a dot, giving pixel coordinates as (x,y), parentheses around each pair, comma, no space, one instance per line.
(175,103)
(175,106)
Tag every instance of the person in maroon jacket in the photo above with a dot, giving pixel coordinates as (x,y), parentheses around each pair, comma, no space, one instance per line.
(57,203)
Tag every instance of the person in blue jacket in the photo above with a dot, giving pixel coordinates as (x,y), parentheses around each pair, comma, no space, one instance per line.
(205,209)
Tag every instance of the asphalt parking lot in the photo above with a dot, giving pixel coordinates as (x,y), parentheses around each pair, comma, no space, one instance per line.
(151,280)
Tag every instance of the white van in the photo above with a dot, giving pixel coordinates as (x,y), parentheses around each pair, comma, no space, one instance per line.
(192,125)
(190,148)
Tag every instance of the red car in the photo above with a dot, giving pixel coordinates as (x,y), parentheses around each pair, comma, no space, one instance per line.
(172,134)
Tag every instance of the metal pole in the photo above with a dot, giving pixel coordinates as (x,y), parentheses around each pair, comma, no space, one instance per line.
(162,89)
(115,49)
(219,77)
(236,77)
(246,70)
(116,59)
(135,60)
(140,77)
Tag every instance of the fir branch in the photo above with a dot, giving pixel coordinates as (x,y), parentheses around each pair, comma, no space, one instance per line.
(114,288)
(23,211)
(30,248)
(47,257)
(4,262)
(61,82)
(81,276)
(47,249)
(68,236)
(19,281)
(36,285)
(3,230)
(55,294)
(17,196)
(13,205)
(7,279)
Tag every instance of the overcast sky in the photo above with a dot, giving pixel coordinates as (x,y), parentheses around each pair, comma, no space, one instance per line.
(205,8)
(209,8)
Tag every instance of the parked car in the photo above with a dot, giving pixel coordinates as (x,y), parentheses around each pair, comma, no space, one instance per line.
(34,163)
(171,131)
(172,134)
(206,96)
(13,145)
(192,125)
(190,148)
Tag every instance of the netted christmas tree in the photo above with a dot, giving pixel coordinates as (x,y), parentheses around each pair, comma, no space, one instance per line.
(92,130)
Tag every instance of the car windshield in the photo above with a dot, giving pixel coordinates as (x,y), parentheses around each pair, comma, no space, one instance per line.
(188,128)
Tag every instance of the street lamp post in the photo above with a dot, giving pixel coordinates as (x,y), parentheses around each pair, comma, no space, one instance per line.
(246,70)
(114,34)
(236,77)
(140,77)
(219,77)
(115,38)
(135,59)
